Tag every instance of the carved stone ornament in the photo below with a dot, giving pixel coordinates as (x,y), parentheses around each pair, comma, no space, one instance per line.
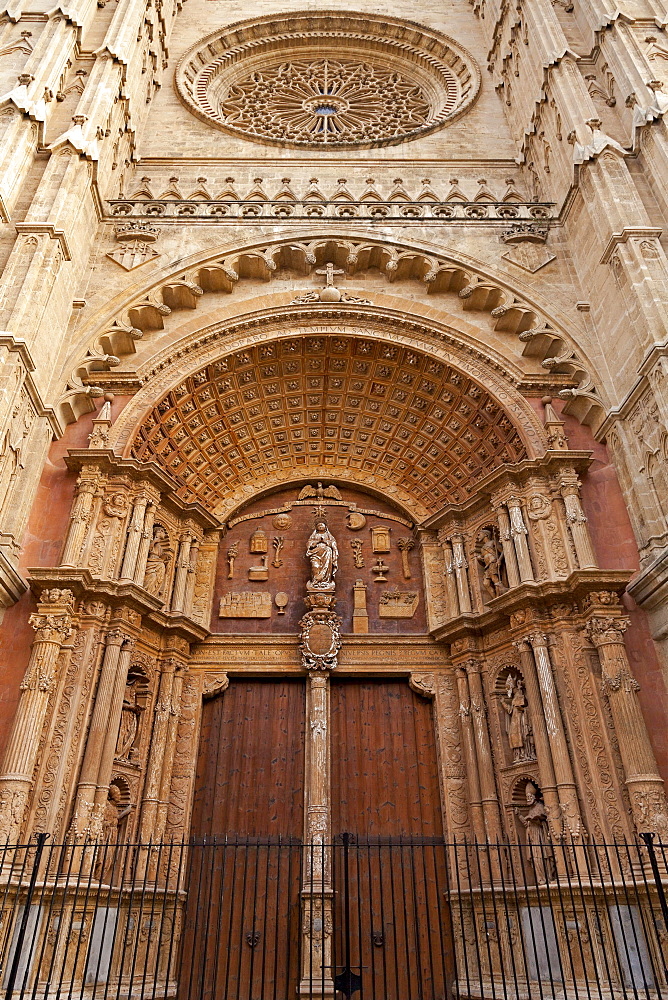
(529,256)
(135,244)
(389,81)
(398,603)
(320,639)
(214,684)
(247,604)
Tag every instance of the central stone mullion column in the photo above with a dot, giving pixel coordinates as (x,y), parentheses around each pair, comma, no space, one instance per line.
(317,889)
(319,641)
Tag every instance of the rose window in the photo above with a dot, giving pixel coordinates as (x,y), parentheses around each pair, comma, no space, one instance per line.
(390,81)
(326,101)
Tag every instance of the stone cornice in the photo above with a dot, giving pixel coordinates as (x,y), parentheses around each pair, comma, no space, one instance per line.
(534,600)
(84,585)
(112,465)
(41,228)
(513,477)
(629,232)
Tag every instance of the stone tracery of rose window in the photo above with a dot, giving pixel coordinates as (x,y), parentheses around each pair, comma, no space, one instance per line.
(325,101)
(387,80)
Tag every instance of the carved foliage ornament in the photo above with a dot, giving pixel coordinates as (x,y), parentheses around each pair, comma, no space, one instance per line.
(390,80)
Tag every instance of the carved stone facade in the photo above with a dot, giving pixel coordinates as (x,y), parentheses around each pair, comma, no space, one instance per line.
(391,403)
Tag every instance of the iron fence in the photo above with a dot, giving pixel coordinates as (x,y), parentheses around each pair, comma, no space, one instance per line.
(375,918)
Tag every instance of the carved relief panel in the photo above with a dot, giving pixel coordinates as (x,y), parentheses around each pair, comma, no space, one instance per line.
(262,570)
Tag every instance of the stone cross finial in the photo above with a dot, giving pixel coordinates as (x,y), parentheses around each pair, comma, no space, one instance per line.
(329,271)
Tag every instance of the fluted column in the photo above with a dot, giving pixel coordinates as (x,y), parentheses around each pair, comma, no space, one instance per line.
(53,626)
(80,517)
(577,523)
(161,758)
(548,782)
(468,741)
(646,789)
(518,533)
(100,723)
(563,770)
(490,802)
(181,576)
(450,582)
(144,544)
(461,574)
(111,735)
(134,539)
(162,713)
(509,553)
(191,576)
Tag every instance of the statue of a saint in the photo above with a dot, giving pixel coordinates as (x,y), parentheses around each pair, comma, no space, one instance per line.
(490,557)
(114,813)
(156,564)
(534,821)
(323,553)
(517,725)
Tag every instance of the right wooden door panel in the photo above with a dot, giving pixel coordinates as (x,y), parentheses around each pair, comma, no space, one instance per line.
(392,925)
(384,765)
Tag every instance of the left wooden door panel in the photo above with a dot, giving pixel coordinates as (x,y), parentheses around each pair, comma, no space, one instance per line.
(241,935)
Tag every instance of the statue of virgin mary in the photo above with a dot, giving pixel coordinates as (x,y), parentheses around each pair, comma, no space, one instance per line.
(323,553)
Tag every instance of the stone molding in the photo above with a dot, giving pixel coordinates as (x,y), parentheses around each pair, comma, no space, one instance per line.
(440,273)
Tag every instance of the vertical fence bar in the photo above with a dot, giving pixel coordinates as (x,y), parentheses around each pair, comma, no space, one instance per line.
(20,939)
(590,930)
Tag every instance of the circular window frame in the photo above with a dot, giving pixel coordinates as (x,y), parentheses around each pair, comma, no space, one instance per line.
(446,73)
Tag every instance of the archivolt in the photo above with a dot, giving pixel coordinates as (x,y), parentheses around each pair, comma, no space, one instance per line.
(400,408)
(439,273)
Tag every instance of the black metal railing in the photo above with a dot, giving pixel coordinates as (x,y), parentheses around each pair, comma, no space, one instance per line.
(375,918)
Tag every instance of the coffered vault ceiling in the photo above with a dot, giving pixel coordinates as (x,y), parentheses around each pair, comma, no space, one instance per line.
(347,403)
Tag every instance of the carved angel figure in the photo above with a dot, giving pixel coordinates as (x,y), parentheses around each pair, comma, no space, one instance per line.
(156,564)
(323,553)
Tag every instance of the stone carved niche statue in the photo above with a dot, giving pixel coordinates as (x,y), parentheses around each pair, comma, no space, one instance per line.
(323,553)
(159,554)
(116,808)
(534,821)
(134,703)
(489,556)
(518,727)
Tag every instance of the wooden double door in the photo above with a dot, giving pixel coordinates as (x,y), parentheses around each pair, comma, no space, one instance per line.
(246,930)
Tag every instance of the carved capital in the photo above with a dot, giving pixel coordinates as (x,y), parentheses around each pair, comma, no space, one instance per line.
(537,639)
(56,628)
(116,637)
(606,631)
